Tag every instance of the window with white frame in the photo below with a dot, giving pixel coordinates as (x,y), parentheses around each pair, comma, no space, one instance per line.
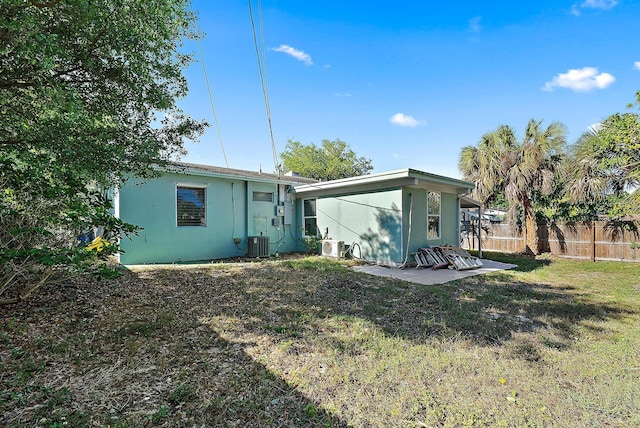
(310,218)
(433,215)
(190,206)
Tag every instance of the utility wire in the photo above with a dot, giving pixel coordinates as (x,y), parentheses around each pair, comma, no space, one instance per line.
(262,68)
(206,79)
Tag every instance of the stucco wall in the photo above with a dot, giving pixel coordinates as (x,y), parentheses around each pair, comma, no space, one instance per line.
(448,219)
(371,220)
(381,222)
(230,212)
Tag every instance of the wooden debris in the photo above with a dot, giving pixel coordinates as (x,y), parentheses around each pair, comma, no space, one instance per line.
(442,257)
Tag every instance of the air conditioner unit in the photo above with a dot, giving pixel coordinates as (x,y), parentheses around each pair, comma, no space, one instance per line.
(257,246)
(331,248)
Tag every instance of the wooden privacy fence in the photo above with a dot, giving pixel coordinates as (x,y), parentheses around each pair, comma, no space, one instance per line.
(600,240)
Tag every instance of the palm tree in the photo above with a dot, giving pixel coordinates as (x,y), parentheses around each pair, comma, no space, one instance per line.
(518,169)
(606,162)
(585,178)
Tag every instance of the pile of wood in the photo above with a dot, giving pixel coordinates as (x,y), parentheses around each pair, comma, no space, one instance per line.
(446,257)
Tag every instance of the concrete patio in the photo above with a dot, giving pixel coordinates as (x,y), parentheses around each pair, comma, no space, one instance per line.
(428,276)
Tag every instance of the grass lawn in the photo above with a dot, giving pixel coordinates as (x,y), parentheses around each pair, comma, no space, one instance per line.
(309,342)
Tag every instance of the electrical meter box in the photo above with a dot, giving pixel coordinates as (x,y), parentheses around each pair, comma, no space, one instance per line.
(288,213)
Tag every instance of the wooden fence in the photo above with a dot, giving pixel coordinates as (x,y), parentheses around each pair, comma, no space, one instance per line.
(600,240)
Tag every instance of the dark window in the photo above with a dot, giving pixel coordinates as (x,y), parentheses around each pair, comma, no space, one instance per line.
(190,206)
(263,196)
(433,215)
(310,218)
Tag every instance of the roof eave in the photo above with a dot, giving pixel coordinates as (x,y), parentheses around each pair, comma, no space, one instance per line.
(386,180)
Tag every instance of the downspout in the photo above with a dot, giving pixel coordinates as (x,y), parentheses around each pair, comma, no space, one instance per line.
(406,258)
(116,212)
(458,224)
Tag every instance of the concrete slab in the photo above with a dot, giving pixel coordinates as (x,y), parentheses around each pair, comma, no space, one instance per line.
(428,276)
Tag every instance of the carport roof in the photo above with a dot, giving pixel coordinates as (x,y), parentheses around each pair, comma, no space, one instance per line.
(385,180)
(467,202)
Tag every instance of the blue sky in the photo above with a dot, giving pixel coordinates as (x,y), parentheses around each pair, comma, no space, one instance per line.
(407,83)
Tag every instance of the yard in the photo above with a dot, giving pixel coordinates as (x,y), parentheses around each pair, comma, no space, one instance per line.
(309,342)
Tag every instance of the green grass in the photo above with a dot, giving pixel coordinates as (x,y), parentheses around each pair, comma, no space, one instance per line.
(309,342)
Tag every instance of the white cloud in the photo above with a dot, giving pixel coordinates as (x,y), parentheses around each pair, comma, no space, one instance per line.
(581,80)
(474,24)
(636,65)
(299,55)
(598,4)
(405,120)
(342,94)
(593,4)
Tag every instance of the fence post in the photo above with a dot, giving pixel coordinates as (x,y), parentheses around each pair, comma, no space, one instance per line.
(593,241)
(480,233)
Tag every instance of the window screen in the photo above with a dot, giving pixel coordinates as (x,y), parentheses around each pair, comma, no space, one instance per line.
(310,218)
(190,206)
(433,215)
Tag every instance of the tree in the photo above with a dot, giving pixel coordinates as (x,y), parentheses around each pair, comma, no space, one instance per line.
(606,164)
(521,170)
(88,93)
(332,161)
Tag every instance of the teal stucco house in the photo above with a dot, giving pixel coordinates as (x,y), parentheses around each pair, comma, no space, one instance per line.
(199,212)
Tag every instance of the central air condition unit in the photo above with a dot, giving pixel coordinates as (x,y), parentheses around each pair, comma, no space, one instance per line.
(257,246)
(331,248)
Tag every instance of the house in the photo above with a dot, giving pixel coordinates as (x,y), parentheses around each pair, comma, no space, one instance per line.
(198,212)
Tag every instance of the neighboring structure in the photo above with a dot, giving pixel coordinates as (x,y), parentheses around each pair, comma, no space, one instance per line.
(198,212)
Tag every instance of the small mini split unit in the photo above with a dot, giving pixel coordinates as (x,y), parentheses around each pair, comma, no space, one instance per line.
(332,248)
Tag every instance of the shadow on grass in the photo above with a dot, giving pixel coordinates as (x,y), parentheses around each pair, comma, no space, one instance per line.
(138,352)
(183,345)
(525,263)
(487,311)
(285,300)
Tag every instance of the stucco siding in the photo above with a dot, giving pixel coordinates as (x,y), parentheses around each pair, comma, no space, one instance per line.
(230,213)
(371,220)
(415,200)
(384,215)
(449,220)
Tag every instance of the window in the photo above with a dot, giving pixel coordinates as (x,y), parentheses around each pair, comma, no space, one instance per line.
(310,218)
(263,196)
(433,215)
(190,206)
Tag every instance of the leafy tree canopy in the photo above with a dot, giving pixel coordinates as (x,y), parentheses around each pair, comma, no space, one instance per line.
(92,84)
(331,161)
(88,93)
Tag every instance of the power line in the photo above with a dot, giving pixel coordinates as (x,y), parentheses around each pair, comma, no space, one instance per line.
(206,79)
(262,68)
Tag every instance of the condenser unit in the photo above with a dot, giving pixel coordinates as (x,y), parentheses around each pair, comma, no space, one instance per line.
(257,246)
(331,248)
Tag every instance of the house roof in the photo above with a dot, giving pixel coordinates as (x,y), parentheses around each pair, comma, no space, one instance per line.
(385,180)
(216,171)
(308,187)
